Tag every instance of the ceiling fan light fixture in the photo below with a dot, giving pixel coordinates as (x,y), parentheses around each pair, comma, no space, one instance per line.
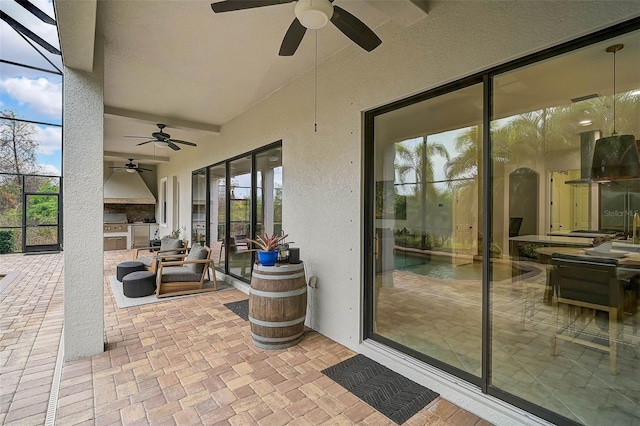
(161,144)
(313,14)
(131,170)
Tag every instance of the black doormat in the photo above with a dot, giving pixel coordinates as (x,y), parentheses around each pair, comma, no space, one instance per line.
(240,308)
(393,395)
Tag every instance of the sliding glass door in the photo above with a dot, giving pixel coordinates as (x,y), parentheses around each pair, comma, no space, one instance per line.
(484,221)
(235,200)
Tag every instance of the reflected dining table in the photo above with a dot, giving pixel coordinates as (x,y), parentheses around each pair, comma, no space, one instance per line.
(628,261)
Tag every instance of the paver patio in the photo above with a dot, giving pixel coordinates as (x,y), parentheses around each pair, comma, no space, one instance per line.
(186,361)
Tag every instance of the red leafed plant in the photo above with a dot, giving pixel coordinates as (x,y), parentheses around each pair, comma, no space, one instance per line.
(267,243)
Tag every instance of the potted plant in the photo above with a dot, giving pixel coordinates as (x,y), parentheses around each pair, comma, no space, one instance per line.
(267,248)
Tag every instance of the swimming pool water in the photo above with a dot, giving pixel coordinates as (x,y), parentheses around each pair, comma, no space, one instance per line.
(441,267)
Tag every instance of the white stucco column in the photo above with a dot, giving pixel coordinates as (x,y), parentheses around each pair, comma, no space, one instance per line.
(82,214)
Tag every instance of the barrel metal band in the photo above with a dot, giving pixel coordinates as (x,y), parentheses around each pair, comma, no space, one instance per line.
(257,274)
(276,324)
(281,346)
(275,339)
(275,294)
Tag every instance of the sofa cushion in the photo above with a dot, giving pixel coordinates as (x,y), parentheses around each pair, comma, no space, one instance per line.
(197,252)
(172,274)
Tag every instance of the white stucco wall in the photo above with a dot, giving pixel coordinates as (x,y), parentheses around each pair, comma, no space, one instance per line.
(82,195)
(322,170)
(322,189)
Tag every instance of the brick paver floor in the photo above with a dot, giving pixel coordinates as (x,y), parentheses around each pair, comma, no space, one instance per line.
(186,361)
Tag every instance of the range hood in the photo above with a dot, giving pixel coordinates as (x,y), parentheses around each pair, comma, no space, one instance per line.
(616,158)
(613,158)
(127,188)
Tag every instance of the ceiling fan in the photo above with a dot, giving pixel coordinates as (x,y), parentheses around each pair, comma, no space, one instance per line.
(162,139)
(130,167)
(310,14)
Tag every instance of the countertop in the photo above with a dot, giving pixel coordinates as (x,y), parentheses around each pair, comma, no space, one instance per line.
(550,239)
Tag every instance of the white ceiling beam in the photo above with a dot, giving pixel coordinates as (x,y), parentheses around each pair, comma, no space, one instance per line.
(77,32)
(174,123)
(137,157)
(405,13)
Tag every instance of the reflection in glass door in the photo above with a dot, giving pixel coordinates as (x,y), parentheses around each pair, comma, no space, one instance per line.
(428,269)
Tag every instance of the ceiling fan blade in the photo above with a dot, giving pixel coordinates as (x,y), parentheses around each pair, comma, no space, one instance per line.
(232,5)
(355,29)
(182,142)
(292,38)
(173,146)
(141,169)
(139,137)
(142,143)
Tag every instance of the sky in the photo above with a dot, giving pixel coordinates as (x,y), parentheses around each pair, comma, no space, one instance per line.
(33,95)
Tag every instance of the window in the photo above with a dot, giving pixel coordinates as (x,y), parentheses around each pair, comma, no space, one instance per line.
(163,202)
(176,202)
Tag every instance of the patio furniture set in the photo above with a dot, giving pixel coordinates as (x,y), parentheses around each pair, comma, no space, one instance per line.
(171,269)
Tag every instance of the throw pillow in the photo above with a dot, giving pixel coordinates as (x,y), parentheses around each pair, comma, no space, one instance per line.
(197,252)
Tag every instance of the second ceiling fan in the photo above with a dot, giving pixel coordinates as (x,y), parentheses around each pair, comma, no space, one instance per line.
(310,14)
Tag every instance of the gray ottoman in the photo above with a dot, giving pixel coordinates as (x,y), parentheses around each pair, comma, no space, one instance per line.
(139,284)
(125,268)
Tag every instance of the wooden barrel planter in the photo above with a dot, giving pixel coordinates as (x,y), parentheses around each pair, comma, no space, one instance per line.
(277,305)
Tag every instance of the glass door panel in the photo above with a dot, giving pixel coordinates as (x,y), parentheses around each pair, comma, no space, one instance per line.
(563,332)
(269,192)
(239,256)
(218,214)
(42,231)
(427,266)
(198,206)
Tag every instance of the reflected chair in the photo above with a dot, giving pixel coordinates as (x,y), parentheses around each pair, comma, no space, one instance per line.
(587,286)
(239,254)
(169,249)
(515,223)
(187,276)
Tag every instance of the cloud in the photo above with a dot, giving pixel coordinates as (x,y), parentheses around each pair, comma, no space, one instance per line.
(48,169)
(40,95)
(50,139)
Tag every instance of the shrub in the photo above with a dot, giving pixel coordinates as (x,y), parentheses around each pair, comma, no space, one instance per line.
(6,241)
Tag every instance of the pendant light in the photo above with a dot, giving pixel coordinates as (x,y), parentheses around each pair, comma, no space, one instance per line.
(615,157)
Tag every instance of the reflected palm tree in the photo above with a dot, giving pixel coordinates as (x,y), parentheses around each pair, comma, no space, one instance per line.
(527,139)
(419,161)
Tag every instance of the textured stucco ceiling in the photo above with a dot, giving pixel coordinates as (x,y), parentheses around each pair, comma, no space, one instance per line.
(178,63)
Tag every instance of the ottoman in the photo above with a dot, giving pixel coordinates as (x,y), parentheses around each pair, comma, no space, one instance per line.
(125,268)
(139,284)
